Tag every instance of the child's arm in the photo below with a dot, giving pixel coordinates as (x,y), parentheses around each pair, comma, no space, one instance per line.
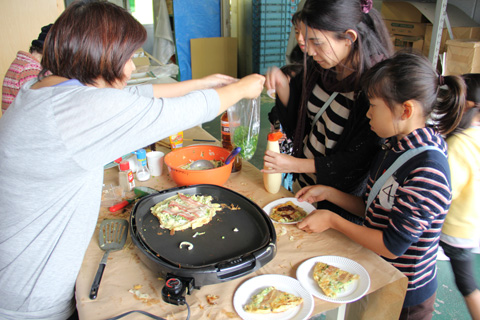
(276,79)
(344,200)
(321,220)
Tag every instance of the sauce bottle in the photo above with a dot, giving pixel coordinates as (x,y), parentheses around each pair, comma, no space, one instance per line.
(227,142)
(273,181)
(125,176)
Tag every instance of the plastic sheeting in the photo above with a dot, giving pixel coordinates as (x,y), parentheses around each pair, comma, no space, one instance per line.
(163,43)
(194,19)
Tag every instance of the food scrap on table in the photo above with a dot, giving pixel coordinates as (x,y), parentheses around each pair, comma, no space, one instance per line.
(212,299)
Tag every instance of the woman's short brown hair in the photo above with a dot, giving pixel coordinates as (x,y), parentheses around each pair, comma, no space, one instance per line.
(92,39)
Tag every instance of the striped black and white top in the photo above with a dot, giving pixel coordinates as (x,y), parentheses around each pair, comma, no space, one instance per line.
(327,130)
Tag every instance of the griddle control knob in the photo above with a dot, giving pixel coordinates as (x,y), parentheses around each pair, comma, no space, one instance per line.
(174,286)
(175,289)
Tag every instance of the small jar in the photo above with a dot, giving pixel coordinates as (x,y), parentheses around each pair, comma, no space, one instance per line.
(125,176)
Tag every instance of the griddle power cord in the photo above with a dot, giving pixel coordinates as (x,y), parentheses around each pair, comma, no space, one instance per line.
(147,314)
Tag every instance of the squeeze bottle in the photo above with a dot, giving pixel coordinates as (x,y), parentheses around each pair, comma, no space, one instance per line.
(273,181)
(227,141)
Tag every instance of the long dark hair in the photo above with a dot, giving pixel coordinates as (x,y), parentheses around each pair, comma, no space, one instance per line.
(92,39)
(472,80)
(373,44)
(410,76)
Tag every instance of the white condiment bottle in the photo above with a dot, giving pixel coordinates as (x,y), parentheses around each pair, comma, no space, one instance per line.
(273,181)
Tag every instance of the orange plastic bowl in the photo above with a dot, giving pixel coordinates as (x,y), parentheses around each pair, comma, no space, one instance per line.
(179,157)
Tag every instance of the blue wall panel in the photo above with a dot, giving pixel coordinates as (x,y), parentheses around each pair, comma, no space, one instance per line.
(194,19)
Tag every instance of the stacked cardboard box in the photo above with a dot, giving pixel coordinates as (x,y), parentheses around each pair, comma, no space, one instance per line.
(411,23)
(463,56)
(405,23)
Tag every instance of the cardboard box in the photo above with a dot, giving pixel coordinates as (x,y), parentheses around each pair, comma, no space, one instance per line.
(458,33)
(213,55)
(402,11)
(463,56)
(140,58)
(405,28)
(408,43)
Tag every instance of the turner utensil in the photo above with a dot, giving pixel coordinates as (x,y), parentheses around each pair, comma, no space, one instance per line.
(112,237)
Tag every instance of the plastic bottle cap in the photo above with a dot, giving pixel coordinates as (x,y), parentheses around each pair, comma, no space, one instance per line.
(141,154)
(124,165)
(275,136)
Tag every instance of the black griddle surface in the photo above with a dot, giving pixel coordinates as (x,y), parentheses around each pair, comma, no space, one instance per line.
(231,233)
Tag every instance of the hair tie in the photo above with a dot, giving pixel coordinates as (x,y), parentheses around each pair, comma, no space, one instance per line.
(441,80)
(366,5)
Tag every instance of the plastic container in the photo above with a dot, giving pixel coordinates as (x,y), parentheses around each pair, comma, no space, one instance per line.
(143,174)
(125,176)
(176,140)
(227,142)
(273,181)
(183,177)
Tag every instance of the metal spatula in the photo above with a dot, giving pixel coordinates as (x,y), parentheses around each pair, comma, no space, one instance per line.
(112,236)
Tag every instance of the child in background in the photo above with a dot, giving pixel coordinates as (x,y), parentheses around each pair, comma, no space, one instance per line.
(406,209)
(25,67)
(461,230)
(290,70)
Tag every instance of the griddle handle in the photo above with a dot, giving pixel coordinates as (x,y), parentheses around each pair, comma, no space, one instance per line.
(96,281)
(236,268)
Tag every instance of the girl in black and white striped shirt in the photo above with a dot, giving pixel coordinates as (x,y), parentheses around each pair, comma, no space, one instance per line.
(343,39)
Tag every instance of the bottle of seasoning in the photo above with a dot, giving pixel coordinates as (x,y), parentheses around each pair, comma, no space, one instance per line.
(176,140)
(125,176)
(273,181)
(227,142)
(143,174)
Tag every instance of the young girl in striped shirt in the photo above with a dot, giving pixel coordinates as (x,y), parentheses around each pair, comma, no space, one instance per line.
(405,210)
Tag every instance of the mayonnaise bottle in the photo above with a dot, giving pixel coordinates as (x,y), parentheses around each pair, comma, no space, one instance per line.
(273,181)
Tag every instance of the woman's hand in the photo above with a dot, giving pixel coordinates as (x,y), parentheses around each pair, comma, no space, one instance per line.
(217,80)
(275,162)
(251,86)
(315,193)
(317,221)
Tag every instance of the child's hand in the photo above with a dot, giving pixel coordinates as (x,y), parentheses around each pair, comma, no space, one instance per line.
(317,221)
(313,194)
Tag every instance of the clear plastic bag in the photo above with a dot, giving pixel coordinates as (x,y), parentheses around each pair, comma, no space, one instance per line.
(244,119)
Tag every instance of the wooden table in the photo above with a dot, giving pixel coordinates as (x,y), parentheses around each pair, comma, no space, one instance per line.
(125,273)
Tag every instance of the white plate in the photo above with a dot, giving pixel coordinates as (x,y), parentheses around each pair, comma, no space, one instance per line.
(308,207)
(255,285)
(354,291)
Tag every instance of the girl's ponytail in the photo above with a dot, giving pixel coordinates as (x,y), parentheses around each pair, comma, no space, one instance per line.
(450,103)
